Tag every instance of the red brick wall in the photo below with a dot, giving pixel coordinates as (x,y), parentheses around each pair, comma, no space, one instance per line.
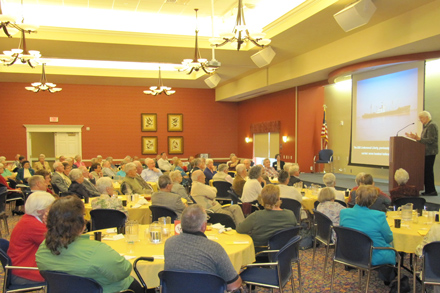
(113,114)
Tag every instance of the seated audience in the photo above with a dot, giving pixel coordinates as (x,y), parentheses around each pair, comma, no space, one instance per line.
(17,163)
(261,225)
(205,195)
(329,180)
(78,161)
(329,207)
(247,164)
(252,188)
(278,165)
(96,171)
(433,235)
(121,173)
(188,167)
(239,179)
(77,187)
(198,165)
(403,189)
(222,174)
(89,182)
(24,173)
(107,170)
(164,197)
(163,163)
(133,183)
(352,196)
(233,163)
(42,164)
(176,179)
(7,173)
(151,174)
(47,178)
(375,225)
(294,174)
(201,254)
(67,169)
(382,202)
(65,249)
(59,179)
(285,190)
(270,171)
(179,167)
(174,163)
(112,166)
(107,200)
(12,193)
(27,236)
(99,159)
(209,170)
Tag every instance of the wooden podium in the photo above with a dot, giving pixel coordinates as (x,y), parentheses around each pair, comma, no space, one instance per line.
(410,155)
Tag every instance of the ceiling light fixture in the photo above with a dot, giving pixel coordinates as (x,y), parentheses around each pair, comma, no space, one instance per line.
(160,88)
(240,33)
(197,63)
(7,21)
(21,53)
(43,85)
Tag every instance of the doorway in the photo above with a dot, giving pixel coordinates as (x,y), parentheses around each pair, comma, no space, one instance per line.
(266,145)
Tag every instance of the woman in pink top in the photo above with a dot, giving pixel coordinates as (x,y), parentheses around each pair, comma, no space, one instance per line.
(78,162)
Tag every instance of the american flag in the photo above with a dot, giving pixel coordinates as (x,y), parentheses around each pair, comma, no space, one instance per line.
(324,134)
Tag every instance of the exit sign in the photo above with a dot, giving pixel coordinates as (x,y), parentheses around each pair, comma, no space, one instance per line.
(53,119)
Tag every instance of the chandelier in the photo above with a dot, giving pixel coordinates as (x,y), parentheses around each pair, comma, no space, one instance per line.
(21,53)
(43,85)
(197,63)
(240,33)
(160,88)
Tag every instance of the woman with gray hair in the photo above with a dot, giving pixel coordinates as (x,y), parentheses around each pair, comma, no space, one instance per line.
(27,237)
(77,187)
(329,207)
(403,189)
(176,178)
(252,188)
(107,199)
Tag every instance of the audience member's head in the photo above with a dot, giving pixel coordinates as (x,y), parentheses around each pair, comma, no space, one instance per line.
(366,195)
(223,168)
(255,172)
(106,164)
(37,182)
(326,194)
(266,163)
(277,157)
(270,195)
(164,182)
(247,163)
(241,170)
(130,170)
(209,163)
(175,176)
(105,185)
(198,176)
(150,163)
(38,203)
(198,163)
(42,157)
(283,177)
(358,178)
(26,164)
(294,170)
(193,219)
(401,176)
(46,175)
(329,179)
(58,167)
(95,167)
(287,166)
(76,175)
(367,179)
(78,158)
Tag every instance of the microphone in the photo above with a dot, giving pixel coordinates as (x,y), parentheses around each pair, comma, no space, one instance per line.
(397,134)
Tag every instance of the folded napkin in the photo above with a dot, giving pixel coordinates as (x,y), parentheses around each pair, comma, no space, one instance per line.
(158,257)
(211,237)
(111,230)
(114,237)
(142,201)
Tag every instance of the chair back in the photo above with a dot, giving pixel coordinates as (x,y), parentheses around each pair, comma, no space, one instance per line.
(288,254)
(281,238)
(190,282)
(293,205)
(326,155)
(418,202)
(342,203)
(107,218)
(123,187)
(160,211)
(232,174)
(315,204)
(431,262)
(3,196)
(353,247)
(222,189)
(323,227)
(234,196)
(62,282)
(4,245)
(223,219)
(55,188)
(6,261)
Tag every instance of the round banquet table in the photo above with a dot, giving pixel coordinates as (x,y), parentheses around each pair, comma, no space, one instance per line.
(239,247)
(141,214)
(309,199)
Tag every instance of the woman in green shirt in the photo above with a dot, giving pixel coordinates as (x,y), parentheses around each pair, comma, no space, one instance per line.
(65,249)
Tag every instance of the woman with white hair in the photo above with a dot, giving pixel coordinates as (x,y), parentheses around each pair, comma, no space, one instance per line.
(178,188)
(329,207)
(329,180)
(78,161)
(77,187)
(403,189)
(27,237)
(107,200)
(42,164)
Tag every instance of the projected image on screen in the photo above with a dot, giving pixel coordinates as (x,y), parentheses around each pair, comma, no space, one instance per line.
(384,101)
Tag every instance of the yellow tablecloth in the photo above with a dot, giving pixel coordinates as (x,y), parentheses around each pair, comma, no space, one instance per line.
(142,214)
(239,254)
(309,199)
(407,237)
(117,186)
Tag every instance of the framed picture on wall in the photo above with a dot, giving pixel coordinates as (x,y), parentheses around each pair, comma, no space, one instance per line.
(175,122)
(149,145)
(175,145)
(149,122)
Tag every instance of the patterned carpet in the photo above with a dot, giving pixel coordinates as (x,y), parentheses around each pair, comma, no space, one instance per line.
(312,277)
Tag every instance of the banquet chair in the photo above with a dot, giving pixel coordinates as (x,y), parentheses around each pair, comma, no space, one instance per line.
(141,280)
(293,205)
(190,282)
(160,211)
(66,283)
(222,190)
(234,197)
(324,157)
(4,245)
(107,218)
(355,248)
(3,215)
(7,267)
(418,202)
(277,273)
(431,264)
(323,234)
(342,203)
(315,204)
(223,219)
